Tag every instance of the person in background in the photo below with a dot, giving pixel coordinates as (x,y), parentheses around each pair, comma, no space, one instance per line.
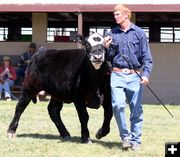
(7,77)
(24,62)
(128,51)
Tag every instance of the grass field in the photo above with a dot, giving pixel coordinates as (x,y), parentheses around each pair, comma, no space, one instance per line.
(38,137)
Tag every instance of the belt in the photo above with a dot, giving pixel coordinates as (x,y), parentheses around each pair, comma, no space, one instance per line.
(126,70)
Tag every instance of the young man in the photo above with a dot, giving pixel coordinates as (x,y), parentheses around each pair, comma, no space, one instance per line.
(128,51)
(24,62)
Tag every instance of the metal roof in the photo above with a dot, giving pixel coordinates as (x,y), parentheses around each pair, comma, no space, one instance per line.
(87,6)
(90,2)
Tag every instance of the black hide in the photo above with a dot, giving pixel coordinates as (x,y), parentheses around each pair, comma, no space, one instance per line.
(68,76)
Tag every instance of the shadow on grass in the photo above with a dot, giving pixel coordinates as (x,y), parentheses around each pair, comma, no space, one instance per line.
(74,139)
(108,144)
(39,136)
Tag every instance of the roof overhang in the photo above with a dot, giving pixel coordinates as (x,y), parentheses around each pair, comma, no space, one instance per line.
(86,7)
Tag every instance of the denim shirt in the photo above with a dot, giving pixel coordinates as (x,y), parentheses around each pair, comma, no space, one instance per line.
(25,59)
(132,45)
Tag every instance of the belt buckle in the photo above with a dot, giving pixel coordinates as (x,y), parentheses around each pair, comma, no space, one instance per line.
(126,71)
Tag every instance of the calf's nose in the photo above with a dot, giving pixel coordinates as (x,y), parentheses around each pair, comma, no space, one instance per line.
(98,57)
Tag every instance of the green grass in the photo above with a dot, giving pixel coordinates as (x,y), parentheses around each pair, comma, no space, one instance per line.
(38,137)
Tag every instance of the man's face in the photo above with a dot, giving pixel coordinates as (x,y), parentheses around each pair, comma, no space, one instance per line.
(6,63)
(32,50)
(120,17)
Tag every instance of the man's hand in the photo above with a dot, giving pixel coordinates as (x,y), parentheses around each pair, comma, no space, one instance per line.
(107,41)
(144,80)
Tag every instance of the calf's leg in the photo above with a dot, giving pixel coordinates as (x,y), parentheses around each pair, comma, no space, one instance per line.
(108,113)
(20,107)
(54,109)
(83,118)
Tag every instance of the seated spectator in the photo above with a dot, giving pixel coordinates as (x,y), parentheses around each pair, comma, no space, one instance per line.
(7,77)
(24,62)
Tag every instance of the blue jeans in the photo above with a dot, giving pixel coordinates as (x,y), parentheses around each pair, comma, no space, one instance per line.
(6,86)
(127,87)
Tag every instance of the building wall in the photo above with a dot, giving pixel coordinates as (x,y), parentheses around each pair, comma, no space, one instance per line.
(165,77)
(17,48)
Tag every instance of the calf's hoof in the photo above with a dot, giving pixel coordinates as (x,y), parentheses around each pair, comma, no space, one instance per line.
(11,135)
(86,141)
(66,138)
(101,133)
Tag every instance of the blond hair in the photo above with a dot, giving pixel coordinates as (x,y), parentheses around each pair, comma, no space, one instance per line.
(122,8)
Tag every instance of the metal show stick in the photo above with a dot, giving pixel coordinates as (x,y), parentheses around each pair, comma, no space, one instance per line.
(148,86)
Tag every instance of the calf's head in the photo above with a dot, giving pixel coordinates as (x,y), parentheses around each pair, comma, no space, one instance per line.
(95,49)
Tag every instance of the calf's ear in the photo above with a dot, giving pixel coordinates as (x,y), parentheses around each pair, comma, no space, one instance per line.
(80,39)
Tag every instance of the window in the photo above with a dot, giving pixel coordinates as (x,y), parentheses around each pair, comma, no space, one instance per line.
(26,34)
(166,34)
(99,29)
(177,34)
(61,34)
(3,33)
(170,34)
